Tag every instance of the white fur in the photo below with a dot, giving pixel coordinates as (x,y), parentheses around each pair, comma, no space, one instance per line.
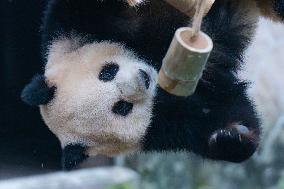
(82,108)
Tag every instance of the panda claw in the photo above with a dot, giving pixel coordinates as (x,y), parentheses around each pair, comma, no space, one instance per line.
(234,144)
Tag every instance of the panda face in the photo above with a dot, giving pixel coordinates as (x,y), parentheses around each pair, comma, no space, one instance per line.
(103,99)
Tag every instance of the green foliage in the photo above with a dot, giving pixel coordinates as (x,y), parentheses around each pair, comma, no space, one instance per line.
(122,186)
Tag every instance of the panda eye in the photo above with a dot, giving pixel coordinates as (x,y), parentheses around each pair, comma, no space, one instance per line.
(108,72)
(122,108)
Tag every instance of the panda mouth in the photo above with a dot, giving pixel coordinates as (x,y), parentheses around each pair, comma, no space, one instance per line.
(122,108)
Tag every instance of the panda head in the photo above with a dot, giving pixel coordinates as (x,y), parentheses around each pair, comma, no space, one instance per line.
(102,96)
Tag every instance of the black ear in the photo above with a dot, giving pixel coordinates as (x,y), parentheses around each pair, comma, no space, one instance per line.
(73,155)
(37,92)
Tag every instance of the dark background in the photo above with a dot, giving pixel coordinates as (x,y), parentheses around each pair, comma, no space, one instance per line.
(26,144)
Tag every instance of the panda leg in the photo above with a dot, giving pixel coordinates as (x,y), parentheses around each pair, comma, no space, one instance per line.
(73,155)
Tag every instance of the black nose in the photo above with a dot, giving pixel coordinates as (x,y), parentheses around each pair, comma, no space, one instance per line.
(145,77)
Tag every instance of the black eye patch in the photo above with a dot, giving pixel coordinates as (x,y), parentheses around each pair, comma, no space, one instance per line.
(122,108)
(109,72)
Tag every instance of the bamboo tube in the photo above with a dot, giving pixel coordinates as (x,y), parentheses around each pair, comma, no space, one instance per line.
(184,62)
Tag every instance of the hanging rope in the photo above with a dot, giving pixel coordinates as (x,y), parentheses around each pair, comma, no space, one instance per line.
(133,2)
(197,19)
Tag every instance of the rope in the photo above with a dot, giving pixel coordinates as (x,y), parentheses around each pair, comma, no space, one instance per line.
(132,2)
(197,19)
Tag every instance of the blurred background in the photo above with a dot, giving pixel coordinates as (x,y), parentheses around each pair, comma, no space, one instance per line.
(27,148)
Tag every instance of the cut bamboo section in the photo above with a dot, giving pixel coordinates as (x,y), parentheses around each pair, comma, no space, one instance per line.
(184,62)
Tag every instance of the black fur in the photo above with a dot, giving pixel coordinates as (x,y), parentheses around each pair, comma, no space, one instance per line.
(37,92)
(73,155)
(178,123)
(279,8)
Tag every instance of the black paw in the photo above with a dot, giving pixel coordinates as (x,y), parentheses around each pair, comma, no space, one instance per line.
(73,155)
(234,144)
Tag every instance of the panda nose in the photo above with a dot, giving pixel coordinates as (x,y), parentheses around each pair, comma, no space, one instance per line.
(135,87)
(145,77)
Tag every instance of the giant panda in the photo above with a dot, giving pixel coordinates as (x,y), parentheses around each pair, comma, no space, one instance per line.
(98,92)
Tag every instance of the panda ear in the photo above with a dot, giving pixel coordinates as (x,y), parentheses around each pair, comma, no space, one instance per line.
(37,92)
(73,155)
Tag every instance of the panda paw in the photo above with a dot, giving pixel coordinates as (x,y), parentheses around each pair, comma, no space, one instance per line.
(72,156)
(235,144)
